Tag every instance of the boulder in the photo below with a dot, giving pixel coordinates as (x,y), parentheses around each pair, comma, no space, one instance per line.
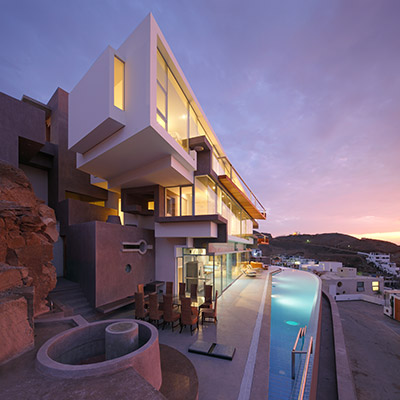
(27,233)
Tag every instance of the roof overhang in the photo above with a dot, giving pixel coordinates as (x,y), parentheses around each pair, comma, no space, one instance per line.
(241,198)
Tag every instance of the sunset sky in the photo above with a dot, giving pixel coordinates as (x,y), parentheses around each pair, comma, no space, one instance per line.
(303,95)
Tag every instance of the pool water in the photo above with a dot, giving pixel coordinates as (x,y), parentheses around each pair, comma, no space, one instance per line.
(294,298)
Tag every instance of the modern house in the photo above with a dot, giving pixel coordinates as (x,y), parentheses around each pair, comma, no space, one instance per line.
(382,261)
(141,134)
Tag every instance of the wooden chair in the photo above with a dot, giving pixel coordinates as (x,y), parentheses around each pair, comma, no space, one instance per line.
(170,316)
(193,292)
(140,311)
(140,288)
(189,315)
(169,288)
(182,289)
(207,297)
(155,315)
(210,312)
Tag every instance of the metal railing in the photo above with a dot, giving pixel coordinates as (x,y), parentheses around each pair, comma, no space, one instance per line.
(300,334)
(305,371)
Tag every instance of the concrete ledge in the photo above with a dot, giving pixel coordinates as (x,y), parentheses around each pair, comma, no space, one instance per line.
(344,377)
(59,356)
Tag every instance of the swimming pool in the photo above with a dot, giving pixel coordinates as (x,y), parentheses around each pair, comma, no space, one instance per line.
(295,301)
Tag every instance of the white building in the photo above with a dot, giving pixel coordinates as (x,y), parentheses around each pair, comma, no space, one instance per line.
(139,130)
(382,262)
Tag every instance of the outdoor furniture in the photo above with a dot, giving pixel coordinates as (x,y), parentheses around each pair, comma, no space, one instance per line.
(155,314)
(207,297)
(182,289)
(140,311)
(169,288)
(189,315)
(170,316)
(193,292)
(249,271)
(140,288)
(210,312)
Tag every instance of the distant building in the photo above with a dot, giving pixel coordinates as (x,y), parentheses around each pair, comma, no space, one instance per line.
(382,262)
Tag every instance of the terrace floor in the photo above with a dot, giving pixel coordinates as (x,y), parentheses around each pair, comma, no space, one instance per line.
(373,348)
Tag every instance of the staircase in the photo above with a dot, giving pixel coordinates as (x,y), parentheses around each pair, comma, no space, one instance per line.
(70,294)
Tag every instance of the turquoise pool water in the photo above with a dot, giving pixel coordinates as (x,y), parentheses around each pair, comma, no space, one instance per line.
(294,304)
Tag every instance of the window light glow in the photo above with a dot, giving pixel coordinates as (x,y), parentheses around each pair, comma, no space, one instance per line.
(119,83)
(375,286)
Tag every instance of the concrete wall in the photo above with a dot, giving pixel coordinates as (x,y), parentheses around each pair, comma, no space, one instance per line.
(13,127)
(349,285)
(39,181)
(64,176)
(97,262)
(165,259)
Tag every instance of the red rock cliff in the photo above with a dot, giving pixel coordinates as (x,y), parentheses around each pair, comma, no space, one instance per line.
(27,233)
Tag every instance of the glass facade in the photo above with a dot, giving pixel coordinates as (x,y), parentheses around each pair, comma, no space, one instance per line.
(174,113)
(218,270)
(119,83)
(209,199)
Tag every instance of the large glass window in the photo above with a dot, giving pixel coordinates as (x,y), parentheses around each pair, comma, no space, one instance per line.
(172,203)
(177,112)
(179,201)
(187,200)
(119,83)
(205,196)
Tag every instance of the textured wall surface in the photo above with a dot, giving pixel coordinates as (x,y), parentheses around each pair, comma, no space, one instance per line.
(27,233)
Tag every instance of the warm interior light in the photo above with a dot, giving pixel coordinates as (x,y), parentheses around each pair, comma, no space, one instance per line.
(119,83)
(375,286)
(150,205)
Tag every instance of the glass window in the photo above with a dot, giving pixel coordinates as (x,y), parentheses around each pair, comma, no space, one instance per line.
(193,132)
(119,83)
(172,207)
(375,286)
(161,121)
(161,71)
(187,200)
(205,196)
(360,286)
(177,112)
(161,101)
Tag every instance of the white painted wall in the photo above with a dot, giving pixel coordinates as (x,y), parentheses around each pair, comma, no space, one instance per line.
(165,259)
(201,229)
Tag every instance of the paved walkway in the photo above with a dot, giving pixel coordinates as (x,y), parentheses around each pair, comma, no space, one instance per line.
(238,309)
(373,347)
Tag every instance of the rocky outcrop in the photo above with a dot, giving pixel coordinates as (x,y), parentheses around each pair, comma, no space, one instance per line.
(27,233)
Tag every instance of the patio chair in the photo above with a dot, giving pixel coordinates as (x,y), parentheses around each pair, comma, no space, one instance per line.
(193,292)
(155,314)
(189,315)
(170,316)
(207,297)
(169,288)
(140,288)
(210,312)
(182,289)
(140,311)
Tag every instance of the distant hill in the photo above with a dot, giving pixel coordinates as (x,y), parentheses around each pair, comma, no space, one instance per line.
(331,247)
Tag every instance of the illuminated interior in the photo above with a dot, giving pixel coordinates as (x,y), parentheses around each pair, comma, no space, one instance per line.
(119,83)
(375,286)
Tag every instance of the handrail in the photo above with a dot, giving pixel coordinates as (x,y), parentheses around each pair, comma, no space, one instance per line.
(256,201)
(305,371)
(301,333)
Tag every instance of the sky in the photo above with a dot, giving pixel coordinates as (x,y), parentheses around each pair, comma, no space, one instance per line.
(303,95)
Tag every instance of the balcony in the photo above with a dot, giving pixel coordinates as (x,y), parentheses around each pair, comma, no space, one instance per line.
(237,187)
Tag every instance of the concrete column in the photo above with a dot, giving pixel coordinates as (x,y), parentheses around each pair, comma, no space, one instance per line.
(121,338)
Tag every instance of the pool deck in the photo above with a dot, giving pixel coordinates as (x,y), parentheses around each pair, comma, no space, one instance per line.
(246,376)
(243,322)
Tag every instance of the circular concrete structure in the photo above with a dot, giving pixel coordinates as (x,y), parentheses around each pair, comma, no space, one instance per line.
(80,352)
(121,338)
